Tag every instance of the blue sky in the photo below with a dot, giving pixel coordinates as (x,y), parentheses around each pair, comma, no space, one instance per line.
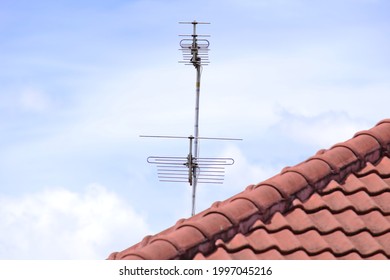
(81,80)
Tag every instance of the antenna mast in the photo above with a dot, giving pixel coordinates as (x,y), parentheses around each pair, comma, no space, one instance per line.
(192,169)
(195,52)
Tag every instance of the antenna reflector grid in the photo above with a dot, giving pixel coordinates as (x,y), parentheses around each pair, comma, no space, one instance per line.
(195,48)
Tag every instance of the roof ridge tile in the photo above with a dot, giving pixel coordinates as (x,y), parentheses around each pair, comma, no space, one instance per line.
(365,147)
(213,225)
(237,210)
(289,184)
(383,121)
(315,171)
(340,158)
(160,249)
(266,198)
(381,133)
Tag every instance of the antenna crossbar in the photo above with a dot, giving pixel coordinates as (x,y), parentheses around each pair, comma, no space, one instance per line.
(189,137)
(193,22)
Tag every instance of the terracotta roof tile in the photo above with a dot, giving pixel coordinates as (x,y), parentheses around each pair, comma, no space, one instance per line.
(210,225)
(374,180)
(218,254)
(246,254)
(335,205)
(384,240)
(300,255)
(323,256)
(313,243)
(376,223)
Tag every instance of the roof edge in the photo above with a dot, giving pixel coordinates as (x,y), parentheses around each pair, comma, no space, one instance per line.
(261,201)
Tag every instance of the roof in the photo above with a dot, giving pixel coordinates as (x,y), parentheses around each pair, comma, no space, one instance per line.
(335,205)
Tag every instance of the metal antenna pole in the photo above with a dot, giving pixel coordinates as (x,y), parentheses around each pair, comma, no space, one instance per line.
(195,53)
(196,62)
(196,133)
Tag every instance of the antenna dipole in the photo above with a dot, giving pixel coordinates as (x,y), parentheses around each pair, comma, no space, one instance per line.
(199,55)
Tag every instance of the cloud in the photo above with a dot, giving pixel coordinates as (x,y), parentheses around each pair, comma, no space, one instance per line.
(59,224)
(34,100)
(320,131)
(245,171)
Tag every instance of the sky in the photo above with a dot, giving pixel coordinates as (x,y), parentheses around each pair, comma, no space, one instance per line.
(81,80)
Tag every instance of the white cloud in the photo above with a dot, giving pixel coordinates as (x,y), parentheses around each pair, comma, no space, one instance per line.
(322,131)
(310,81)
(245,172)
(34,100)
(59,224)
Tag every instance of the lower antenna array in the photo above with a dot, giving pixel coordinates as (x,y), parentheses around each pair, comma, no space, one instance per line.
(177,169)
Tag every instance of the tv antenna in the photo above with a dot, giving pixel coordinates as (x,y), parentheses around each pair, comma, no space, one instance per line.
(192,169)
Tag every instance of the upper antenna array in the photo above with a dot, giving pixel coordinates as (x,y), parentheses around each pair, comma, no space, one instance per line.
(192,169)
(195,50)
